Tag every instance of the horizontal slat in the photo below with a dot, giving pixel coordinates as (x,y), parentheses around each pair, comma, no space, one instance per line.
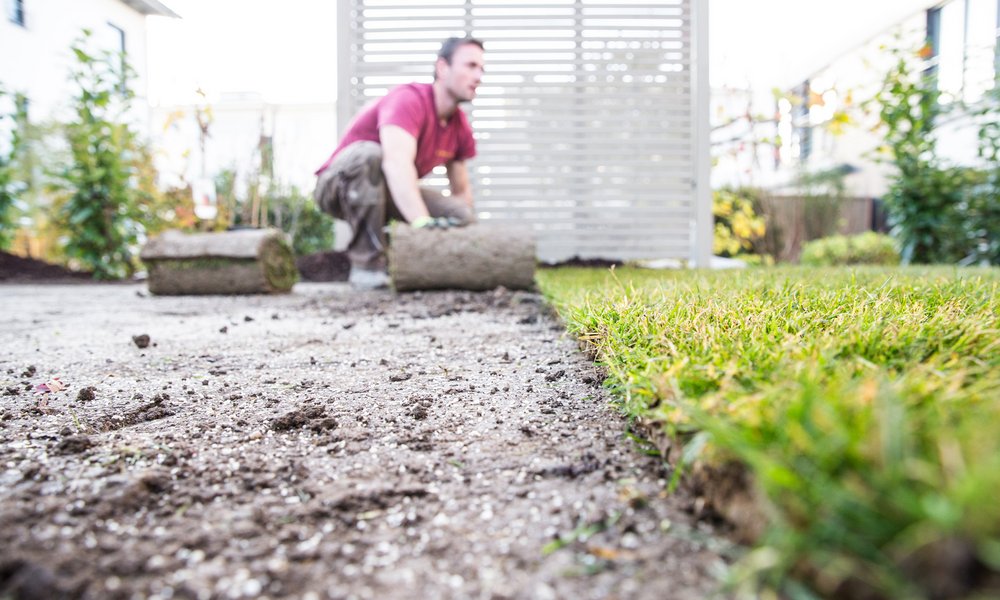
(584,112)
(519,4)
(647,193)
(597,218)
(621,249)
(399,63)
(653,237)
(553,243)
(601,217)
(603,127)
(541,164)
(630,146)
(496,60)
(649,239)
(597,93)
(661,106)
(516,202)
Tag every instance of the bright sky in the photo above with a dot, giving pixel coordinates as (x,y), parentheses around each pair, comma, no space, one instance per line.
(778,43)
(287,51)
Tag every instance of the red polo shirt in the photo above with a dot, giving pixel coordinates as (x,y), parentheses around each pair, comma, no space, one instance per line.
(411,107)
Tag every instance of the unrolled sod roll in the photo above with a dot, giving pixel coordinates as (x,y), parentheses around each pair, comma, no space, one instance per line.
(249,261)
(477,257)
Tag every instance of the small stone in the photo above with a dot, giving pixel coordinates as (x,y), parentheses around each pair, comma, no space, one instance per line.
(74,444)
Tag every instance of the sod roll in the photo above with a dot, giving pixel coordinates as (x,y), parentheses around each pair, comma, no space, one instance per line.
(250,261)
(476,257)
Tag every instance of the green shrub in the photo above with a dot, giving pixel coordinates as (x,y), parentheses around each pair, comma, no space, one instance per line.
(940,213)
(101,214)
(285,208)
(297,215)
(865,403)
(868,248)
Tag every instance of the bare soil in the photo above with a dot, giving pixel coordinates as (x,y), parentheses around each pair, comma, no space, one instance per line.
(324,266)
(16,269)
(322,444)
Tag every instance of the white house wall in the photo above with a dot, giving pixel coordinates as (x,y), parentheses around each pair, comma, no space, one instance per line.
(37,58)
(859,75)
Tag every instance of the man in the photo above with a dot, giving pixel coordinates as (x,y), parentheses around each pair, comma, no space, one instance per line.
(374,173)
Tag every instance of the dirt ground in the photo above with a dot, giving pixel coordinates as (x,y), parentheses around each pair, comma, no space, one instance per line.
(322,444)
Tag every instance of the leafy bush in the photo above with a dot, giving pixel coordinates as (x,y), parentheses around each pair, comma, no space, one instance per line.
(868,248)
(865,403)
(940,213)
(737,225)
(102,213)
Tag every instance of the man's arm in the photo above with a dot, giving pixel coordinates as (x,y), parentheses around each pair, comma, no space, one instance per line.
(399,151)
(458,181)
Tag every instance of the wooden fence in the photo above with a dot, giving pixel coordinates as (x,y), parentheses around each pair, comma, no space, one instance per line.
(794,220)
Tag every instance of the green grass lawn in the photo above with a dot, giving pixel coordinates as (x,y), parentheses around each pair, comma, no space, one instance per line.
(865,402)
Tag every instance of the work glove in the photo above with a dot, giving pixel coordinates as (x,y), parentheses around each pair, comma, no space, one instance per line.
(435,223)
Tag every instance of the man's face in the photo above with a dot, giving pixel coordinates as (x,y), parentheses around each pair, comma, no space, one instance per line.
(462,76)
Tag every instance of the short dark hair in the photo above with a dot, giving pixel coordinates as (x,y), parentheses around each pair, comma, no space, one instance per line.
(452,44)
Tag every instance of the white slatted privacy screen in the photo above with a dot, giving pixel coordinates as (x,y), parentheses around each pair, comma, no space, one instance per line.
(591,120)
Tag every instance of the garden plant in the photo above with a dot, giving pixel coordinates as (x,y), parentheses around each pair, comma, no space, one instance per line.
(869,248)
(940,212)
(105,210)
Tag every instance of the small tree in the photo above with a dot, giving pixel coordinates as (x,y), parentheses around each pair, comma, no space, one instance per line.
(940,213)
(101,214)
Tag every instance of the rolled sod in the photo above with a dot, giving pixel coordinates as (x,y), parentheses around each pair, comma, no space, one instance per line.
(249,261)
(476,257)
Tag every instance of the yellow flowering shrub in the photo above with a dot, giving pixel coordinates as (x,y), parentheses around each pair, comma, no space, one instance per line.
(737,226)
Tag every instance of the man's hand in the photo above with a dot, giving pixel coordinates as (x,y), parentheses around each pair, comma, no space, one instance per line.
(435,223)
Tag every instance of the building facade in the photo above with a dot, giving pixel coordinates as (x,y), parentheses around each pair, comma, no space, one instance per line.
(823,123)
(35,41)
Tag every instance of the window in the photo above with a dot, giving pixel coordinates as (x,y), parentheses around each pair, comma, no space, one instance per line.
(15,10)
(963,38)
(802,122)
(116,43)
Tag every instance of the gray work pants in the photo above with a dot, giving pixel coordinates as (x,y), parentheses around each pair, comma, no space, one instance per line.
(353,189)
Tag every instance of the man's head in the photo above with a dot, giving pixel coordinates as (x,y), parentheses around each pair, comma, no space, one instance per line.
(459,67)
